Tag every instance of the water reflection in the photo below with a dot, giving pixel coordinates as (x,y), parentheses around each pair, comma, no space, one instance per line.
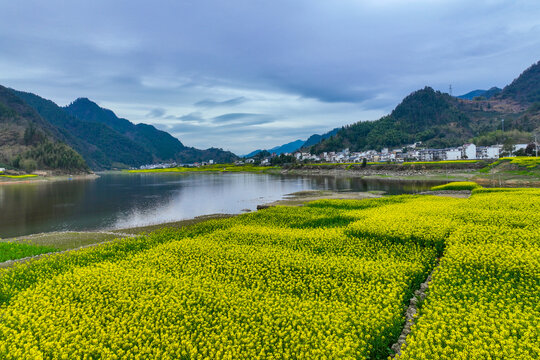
(121,200)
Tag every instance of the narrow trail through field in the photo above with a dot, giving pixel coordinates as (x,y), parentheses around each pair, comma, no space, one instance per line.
(419,296)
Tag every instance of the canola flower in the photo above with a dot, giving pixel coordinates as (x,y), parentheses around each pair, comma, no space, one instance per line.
(457,185)
(284,282)
(330,280)
(483,300)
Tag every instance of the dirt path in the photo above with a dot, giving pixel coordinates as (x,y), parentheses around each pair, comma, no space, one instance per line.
(410,320)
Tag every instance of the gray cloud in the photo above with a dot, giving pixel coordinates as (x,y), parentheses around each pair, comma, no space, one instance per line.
(308,65)
(242,118)
(156,113)
(213,103)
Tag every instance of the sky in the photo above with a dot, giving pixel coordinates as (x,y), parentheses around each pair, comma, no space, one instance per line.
(248,74)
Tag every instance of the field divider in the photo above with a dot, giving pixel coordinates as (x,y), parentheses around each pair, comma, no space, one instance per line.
(418,296)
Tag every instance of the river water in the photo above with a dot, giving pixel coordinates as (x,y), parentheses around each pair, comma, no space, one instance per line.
(115,201)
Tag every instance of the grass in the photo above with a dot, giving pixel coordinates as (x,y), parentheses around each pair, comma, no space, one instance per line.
(18,250)
(63,240)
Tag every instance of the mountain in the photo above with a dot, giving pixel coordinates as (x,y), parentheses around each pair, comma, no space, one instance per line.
(425,115)
(281,149)
(440,120)
(486,94)
(524,89)
(101,146)
(29,142)
(106,141)
(295,145)
(159,144)
(316,138)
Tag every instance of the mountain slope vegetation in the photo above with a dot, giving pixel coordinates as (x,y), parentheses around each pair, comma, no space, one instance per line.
(106,141)
(29,142)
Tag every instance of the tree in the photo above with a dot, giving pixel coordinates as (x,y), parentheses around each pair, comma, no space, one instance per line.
(29,165)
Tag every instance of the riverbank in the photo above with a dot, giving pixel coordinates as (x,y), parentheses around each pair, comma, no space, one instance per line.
(507,172)
(4,180)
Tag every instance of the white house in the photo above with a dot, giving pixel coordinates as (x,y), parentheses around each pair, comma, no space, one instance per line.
(2,170)
(468,151)
(453,154)
(487,152)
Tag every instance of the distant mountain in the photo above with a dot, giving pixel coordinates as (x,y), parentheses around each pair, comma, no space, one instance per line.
(524,89)
(106,141)
(486,94)
(281,149)
(295,145)
(29,142)
(316,138)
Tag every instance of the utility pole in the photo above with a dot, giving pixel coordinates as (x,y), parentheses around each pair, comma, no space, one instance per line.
(450,89)
(536,145)
(502,120)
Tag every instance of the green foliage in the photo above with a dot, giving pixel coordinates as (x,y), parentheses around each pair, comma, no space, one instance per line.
(55,156)
(16,250)
(500,137)
(29,165)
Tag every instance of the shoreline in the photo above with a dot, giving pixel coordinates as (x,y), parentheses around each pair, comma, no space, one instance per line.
(496,179)
(45,179)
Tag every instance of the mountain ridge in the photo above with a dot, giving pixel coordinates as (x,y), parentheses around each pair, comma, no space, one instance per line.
(439,120)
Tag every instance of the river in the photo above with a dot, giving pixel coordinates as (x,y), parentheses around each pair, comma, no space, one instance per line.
(115,201)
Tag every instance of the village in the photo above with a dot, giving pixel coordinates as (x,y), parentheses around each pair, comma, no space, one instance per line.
(409,153)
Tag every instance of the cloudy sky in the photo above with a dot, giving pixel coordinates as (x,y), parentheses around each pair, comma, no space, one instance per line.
(248,74)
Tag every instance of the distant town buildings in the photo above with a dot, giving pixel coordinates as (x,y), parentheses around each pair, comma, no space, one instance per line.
(412,152)
(408,153)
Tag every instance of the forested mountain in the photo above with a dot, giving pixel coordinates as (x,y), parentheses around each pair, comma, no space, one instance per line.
(526,88)
(159,144)
(106,141)
(101,146)
(440,120)
(425,115)
(29,142)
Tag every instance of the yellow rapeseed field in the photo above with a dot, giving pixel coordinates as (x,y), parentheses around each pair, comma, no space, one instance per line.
(330,280)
